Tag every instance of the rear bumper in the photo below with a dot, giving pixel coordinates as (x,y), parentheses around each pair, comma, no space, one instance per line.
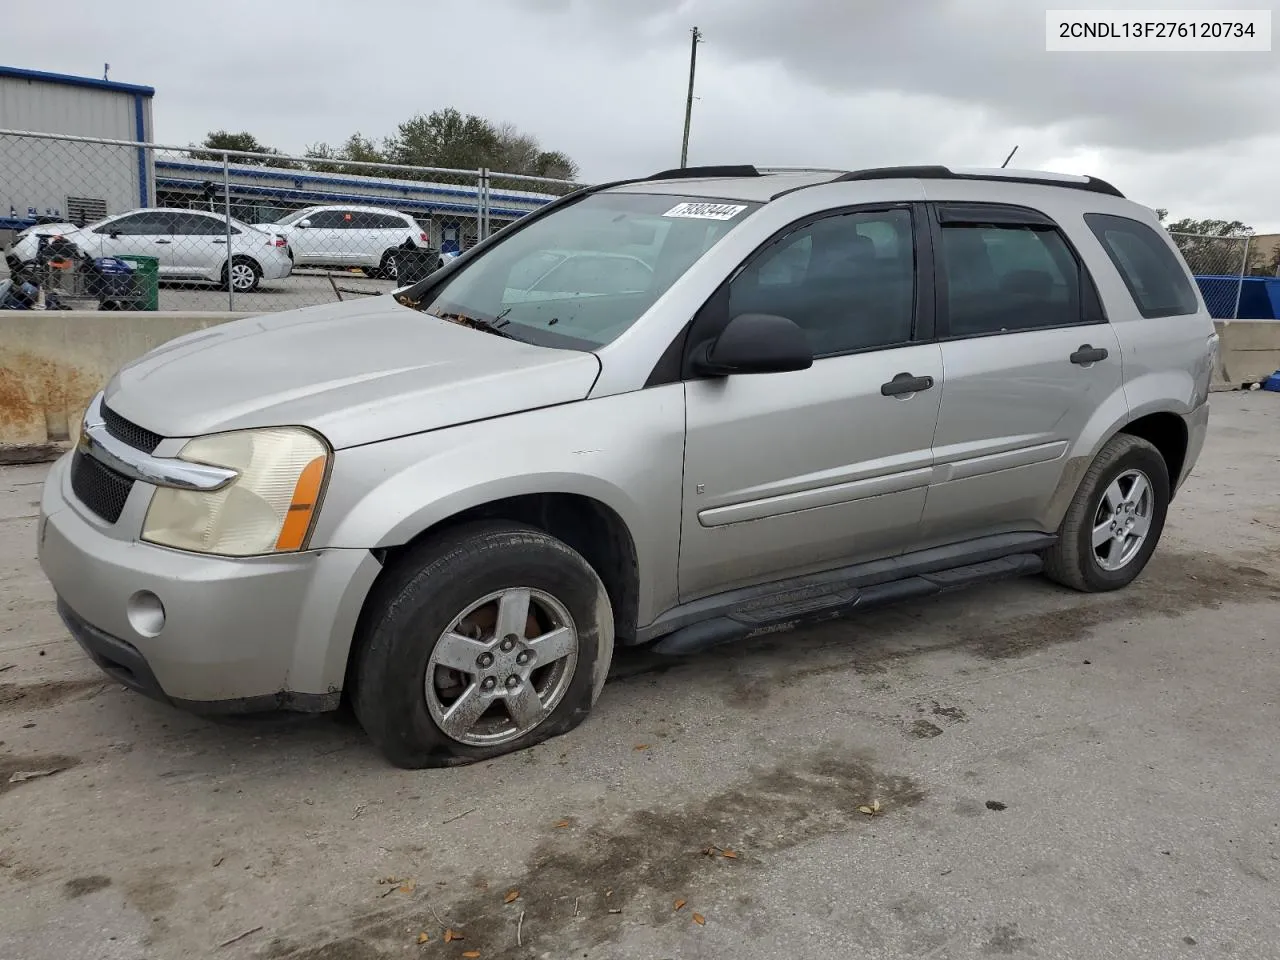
(1197,422)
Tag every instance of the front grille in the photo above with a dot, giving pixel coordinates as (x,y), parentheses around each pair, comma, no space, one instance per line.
(99,487)
(129,432)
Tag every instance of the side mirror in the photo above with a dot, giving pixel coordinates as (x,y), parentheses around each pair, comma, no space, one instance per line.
(114,235)
(303,224)
(755,343)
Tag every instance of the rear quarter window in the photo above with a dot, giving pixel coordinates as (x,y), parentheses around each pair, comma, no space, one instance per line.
(1155,279)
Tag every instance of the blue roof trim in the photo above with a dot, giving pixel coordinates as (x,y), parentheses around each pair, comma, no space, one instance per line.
(17,73)
(294,176)
(325,197)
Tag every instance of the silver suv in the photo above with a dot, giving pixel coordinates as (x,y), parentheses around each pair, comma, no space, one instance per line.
(825,391)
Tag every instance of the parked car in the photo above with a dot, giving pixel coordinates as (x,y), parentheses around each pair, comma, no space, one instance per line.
(449,504)
(189,244)
(347,236)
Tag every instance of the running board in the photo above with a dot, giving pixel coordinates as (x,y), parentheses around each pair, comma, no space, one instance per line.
(812,604)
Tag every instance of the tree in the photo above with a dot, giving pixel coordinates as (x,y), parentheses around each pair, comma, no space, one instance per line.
(356,150)
(1222,248)
(444,138)
(243,141)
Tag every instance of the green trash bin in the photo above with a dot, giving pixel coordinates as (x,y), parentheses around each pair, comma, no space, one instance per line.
(146,283)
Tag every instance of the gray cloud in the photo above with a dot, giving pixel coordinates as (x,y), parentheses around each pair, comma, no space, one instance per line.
(826,82)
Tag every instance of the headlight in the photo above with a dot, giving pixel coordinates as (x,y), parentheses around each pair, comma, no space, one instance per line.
(268,508)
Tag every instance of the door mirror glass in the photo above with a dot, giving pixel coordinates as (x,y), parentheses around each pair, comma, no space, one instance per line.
(755,343)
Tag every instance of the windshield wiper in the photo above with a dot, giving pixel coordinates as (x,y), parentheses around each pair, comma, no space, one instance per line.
(476,323)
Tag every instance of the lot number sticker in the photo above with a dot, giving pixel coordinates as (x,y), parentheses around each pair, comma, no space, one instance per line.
(705,211)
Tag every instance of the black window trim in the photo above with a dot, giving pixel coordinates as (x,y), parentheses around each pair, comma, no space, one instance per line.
(1092,310)
(675,363)
(1090,218)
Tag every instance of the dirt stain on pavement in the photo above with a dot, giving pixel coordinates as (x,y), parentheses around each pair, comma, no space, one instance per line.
(83,886)
(18,771)
(583,885)
(38,696)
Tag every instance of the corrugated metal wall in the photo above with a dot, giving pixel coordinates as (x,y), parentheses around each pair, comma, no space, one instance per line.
(43,173)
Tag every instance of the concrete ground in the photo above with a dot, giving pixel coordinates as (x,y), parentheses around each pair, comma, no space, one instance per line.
(1058,776)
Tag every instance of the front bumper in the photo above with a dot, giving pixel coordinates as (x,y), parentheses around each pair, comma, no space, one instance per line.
(237,635)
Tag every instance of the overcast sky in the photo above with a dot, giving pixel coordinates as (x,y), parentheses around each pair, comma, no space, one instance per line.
(833,83)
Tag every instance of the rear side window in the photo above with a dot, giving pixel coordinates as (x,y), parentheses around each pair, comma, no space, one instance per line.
(1156,281)
(1003,278)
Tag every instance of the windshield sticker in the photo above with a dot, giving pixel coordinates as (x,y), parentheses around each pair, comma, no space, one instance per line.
(705,211)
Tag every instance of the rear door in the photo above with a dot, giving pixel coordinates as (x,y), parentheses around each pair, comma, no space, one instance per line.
(199,244)
(790,473)
(1028,356)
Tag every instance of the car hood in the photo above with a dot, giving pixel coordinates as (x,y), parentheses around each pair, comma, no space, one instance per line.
(357,372)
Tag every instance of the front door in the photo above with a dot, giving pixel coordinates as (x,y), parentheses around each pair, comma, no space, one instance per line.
(148,233)
(798,472)
(1030,358)
(321,240)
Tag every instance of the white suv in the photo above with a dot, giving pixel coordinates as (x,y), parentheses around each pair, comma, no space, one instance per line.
(346,236)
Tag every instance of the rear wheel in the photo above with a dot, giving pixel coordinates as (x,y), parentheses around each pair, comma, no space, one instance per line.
(491,639)
(243,276)
(1115,521)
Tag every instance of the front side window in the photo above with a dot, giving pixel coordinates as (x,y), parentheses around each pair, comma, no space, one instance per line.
(1003,278)
(847,280)
(329,220)
(139,225)
(583,274)
(1156,281)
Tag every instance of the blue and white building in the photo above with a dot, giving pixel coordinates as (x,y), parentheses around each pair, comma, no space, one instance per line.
(70,179)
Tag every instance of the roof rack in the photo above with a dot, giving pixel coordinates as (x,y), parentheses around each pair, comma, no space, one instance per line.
(688,173)
(937,172)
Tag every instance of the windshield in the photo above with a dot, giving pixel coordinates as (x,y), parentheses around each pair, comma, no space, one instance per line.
(291,217)
(582,275)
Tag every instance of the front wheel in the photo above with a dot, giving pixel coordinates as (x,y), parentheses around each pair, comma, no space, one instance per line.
(388,269)
(1115,520)
(489,640)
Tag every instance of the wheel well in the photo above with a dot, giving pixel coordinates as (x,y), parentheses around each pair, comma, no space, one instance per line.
(242,258)
(1167,433)
(587,525)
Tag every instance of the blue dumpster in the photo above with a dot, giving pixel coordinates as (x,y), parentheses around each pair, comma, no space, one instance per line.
(1259,297)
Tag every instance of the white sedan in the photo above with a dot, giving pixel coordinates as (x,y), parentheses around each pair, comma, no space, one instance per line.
(189,245)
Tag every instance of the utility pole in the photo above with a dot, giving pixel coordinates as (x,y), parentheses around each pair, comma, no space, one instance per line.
(688,108)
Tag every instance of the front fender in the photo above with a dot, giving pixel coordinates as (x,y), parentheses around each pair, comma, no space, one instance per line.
(384,494)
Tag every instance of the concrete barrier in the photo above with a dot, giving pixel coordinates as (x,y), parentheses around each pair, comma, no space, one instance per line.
(52,362)
(1249,352)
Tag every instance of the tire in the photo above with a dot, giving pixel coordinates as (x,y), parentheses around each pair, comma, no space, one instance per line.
(1074,561)
(373,273)
(247,275)
(387,269)
(401,693)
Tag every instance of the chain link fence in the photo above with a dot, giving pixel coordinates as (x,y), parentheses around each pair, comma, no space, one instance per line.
(230,230)
(1219,265)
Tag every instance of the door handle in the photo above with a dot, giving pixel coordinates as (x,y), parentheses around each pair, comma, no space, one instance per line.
(1088,354)
(164,241)
(220,240)
(905,383)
